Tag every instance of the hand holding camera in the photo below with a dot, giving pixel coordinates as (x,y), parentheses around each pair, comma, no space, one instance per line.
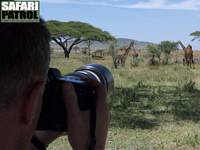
(79,121)
(76,103)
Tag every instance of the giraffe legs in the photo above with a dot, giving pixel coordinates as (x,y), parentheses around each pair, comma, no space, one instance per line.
(123,61)
(120,61)
(184,61)
(190,63)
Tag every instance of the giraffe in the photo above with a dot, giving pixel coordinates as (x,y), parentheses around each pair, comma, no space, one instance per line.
(122,53)
(133,53)
(188,54)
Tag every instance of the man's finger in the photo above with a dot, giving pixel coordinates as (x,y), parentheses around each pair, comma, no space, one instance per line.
(75,119)
(70,98)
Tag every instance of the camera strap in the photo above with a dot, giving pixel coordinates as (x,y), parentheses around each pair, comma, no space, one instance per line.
(92,126)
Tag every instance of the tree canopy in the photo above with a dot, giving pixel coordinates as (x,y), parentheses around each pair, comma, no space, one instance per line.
(167,46)
(196,35)
(153,51)
(74,33)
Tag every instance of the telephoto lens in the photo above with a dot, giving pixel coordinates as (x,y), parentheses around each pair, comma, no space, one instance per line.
(53,113)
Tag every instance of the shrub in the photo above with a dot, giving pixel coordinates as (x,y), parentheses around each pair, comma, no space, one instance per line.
(189,86)
(186,86)
(113,53)
(135,62)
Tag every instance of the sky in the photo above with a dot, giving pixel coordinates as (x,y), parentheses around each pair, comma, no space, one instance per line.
(143,20)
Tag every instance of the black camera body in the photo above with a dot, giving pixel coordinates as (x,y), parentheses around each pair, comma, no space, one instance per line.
(53,113)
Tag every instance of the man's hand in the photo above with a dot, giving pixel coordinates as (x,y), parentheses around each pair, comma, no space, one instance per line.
(79,122)
(102,116)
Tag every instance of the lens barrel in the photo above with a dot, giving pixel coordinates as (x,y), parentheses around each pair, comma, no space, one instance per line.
(98,72)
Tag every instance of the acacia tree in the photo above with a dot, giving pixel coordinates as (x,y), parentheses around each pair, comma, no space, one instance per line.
(153,52)
(69,34)
(89,43)
(196,35)
(167,47)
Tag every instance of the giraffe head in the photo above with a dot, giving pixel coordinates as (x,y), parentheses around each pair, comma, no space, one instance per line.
(131,45)
(190,46)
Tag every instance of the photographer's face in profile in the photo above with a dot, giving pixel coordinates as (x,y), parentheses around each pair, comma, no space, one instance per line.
(24,61)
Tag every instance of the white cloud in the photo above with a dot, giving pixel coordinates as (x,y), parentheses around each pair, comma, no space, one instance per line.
(78,2)
(188,4)
(165,4)
(154,4)
(150,4)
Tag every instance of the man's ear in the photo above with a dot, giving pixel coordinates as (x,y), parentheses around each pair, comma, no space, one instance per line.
(31,103)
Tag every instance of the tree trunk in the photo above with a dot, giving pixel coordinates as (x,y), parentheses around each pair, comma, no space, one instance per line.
(67,55)
(89,43)
(89,47)
(64,45)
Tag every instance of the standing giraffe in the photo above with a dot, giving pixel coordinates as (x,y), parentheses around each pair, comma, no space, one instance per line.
(188,54)
(121,55)
(133,53)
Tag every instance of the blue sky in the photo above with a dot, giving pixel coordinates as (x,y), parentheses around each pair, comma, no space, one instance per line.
(144,20)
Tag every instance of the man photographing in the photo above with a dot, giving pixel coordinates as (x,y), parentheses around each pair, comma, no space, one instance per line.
(24,63)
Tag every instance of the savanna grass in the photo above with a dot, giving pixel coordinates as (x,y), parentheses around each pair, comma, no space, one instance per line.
(152,107)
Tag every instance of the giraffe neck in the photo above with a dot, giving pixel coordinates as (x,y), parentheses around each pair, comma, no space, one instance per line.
(134,49)
(127,50)
(181,44)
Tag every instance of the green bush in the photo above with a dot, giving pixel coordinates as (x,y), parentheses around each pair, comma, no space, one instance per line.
(135,62)
(189,86)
